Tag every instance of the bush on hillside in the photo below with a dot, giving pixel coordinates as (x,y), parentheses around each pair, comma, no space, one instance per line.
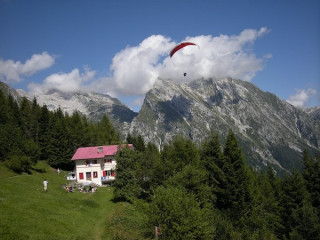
(19,163)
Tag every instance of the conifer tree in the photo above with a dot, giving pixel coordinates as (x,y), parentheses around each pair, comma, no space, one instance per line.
(293,198)
(264,218)
(126,185)
(179,153)
(4,109)
(193,180)
(25,112)
(11,137)
(305,223)
(212,160)
(44,132)
(139,143)
(236,197)
(4,148)
(105,133)
(145,170)
(179,215)
(59,145)
(14,112)
(311,174)
(76,131)
(34,121)
(129,138)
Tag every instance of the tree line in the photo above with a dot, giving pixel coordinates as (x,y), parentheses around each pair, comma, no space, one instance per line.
(29,132)
(208,192)
(189,191)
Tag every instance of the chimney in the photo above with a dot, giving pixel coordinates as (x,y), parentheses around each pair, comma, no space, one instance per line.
(100,149)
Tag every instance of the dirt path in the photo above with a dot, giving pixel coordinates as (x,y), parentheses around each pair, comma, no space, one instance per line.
(104,197)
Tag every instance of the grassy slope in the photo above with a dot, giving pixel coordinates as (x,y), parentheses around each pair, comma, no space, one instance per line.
(26,212)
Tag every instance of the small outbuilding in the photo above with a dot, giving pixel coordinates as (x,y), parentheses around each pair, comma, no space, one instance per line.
(71,176)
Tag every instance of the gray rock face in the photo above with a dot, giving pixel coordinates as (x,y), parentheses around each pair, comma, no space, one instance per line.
(93,105)
(270,131)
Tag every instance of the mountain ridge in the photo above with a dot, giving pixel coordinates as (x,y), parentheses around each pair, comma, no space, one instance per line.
(91,104)
(268,127)
(270,130)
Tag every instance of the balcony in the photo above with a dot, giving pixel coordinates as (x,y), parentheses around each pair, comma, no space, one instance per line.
(107,179)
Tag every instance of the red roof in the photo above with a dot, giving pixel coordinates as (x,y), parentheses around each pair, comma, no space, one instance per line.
(96,152)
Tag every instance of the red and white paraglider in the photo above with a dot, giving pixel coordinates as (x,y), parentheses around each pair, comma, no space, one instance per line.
(179,47)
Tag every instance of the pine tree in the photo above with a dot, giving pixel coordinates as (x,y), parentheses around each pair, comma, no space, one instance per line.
(11,137)
(212,160)
(34,121)
(194,181)
(4,109)
(125,185)
(26,116)
(236,197)
(44,132)
(305,222)
(145,170)
(179,215)
(76,131)
(311,174)
(294,200)
(106,134)
(4,148)
(139,144)
(179,153)
(264,219)
(59,148)
(13,112)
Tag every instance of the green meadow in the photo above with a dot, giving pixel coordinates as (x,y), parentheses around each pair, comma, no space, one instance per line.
(27,212)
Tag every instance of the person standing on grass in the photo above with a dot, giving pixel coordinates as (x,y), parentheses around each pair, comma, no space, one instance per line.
(45,185)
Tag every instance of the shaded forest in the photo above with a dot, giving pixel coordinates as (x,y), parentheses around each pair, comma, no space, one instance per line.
(208,192)
(29,133)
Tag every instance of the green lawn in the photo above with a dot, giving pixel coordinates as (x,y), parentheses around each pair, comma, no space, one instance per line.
(27,212)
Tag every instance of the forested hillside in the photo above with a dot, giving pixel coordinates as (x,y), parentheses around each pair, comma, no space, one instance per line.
(208,192)
(29,133)
(203,191)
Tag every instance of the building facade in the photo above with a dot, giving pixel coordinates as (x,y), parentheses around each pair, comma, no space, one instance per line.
(96,164)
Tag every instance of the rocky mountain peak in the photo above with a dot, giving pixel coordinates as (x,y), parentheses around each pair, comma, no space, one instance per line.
(271,131)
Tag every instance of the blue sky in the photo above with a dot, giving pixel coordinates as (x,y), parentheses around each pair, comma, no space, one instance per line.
(121,47)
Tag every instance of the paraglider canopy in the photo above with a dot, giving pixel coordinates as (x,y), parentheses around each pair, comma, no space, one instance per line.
(181,45)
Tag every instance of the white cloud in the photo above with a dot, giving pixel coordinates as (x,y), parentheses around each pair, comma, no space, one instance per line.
(12,71)
(66,82)
(301,97)
(135,69)
(217,57)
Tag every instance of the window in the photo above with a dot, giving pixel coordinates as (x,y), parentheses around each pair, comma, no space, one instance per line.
(95,174)
(95,161)
(112,173)
(109,160)
(81,175)
(88,175)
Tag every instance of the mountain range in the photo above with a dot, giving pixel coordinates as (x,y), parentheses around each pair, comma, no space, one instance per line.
(269,130)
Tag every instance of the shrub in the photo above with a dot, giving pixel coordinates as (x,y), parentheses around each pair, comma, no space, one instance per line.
(19,163)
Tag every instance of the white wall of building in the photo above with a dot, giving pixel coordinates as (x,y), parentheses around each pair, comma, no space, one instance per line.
(93,170)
